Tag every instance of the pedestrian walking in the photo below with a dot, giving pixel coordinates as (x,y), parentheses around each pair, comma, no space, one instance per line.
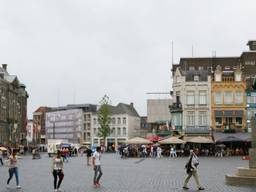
(1,158)
(154,151)
(34,153)
(174,152)
(191,169)
(97,167)
(13,169)
(144,152)
(57,171)
(159,152)
(89,155)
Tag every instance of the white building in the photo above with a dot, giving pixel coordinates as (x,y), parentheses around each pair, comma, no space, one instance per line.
(192,101)
(65,123)
(158,110)
(125,121)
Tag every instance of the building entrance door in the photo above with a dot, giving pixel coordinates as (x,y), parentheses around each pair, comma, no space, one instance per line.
(228,122)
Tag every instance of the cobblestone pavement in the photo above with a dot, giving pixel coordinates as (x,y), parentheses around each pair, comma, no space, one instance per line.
(129,175)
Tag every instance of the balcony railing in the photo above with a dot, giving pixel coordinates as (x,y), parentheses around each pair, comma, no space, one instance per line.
(175,107)
(163,133)
(168,132)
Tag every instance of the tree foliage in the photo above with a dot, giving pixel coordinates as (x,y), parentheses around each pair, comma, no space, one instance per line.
(104,118)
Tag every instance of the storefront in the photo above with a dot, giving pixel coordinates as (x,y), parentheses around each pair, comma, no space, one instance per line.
(110,144)
(229,119)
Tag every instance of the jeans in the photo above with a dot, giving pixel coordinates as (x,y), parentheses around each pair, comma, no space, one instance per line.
(1,160)
(57,173)
(97,176)
(11,172)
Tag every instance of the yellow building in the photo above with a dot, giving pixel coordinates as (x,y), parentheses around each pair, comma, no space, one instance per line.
(228,100)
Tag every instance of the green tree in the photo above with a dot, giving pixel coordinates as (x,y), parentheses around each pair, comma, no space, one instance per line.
(104,118)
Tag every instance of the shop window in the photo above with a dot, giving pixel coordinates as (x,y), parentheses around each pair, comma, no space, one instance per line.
(239,120)
(218,120)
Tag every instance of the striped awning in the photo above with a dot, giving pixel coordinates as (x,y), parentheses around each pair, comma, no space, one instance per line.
(229,113)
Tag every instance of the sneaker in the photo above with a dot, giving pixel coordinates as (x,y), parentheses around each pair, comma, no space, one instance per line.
(7,186)
(200,188)
(98,184)
(18,187)
(58,190)
(55,190)
(185,188)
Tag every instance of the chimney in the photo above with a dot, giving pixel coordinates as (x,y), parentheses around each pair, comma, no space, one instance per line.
(4,66)
(131,104)
(252,45)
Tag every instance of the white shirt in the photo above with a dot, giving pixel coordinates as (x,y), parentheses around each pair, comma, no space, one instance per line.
(57,163)
(97,156)
(13,162)
(195,161)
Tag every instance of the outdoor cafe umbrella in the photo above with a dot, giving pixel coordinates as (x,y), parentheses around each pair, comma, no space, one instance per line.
(3,149)
(83,148)
(172,140)
(200,139)
(154,138)
(221,145)
(138,140)
(230,139)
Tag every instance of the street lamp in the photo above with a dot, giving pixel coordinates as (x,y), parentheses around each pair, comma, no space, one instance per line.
(53,130)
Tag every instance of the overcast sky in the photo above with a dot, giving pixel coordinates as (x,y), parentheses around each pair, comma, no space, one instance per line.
(77,51)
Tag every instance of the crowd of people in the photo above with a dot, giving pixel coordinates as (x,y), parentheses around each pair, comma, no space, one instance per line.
(174,151)
(125,151)
(62,156)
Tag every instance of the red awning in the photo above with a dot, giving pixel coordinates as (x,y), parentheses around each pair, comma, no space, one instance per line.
(154,138)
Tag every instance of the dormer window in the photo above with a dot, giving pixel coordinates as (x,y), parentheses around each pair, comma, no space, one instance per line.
(196,77)
(238,76)
(218,74)
(177,79)
(217,77)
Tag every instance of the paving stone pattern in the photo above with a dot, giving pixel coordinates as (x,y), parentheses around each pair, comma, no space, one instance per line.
(129,175)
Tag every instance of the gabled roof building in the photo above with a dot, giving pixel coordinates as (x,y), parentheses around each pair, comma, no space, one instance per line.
(125,123)
(13,109)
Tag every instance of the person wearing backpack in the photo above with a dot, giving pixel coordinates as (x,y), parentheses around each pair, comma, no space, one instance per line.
(191,169)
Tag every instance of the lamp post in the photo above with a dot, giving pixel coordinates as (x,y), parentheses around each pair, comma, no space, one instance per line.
(53,130)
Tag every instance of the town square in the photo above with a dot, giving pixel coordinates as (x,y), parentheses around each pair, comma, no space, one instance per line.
(125,175)
(127,96)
